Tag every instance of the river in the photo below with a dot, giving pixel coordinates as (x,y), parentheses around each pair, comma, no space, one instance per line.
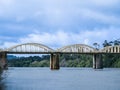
(63,79)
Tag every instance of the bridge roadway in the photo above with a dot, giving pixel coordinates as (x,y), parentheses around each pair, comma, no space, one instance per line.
(90,53)
(36,48)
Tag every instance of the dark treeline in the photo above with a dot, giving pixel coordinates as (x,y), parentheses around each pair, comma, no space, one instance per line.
(31,61)
(111,43)
(67,60)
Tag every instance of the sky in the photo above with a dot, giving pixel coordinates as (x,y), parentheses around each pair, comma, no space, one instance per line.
(58,23)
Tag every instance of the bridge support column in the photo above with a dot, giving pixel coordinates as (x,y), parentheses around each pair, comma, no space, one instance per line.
(97,61)
(3,60)
(54,62)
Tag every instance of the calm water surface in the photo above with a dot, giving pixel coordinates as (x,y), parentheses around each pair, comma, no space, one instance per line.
(63,79)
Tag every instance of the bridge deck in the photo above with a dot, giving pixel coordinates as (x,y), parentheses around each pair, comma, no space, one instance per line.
(60,53)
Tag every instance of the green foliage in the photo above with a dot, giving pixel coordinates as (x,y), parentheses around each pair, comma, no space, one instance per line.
(111,60)
(66,60)
(111,43)
(75,60)
(44,63)
(32,61)
(117,64)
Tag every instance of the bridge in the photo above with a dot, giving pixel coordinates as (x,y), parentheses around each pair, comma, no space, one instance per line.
(36,48)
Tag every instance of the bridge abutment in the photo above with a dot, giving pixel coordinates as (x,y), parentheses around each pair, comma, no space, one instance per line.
(97,61)
(3,60)
(54,62)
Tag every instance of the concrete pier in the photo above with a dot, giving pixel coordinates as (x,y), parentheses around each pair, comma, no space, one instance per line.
(3,60)
(54,62)
(97,61)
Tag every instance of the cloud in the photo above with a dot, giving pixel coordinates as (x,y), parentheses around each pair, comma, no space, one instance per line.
(105,2)
(57,23)
(99,17)
(52,39)
(61,38)
(6,2)
(60,12)
(5,6)
(8,44)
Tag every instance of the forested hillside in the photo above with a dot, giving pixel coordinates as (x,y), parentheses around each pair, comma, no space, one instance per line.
(68,60)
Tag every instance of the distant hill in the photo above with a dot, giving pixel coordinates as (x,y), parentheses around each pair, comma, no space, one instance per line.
(66,60)
(11,57)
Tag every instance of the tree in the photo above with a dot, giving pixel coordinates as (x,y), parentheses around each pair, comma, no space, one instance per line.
(96,45)
(116,42)
(106,43)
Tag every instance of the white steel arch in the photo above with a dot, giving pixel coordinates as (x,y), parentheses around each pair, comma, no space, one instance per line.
(30,47)
(111,49)
(80,48)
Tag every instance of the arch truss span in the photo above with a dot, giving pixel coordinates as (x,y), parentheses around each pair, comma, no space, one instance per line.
(30,47)
(111,49)
(77,48)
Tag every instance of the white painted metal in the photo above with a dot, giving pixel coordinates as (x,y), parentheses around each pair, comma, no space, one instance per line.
(30,47)
(81,48)
(111,49)
(77,48)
